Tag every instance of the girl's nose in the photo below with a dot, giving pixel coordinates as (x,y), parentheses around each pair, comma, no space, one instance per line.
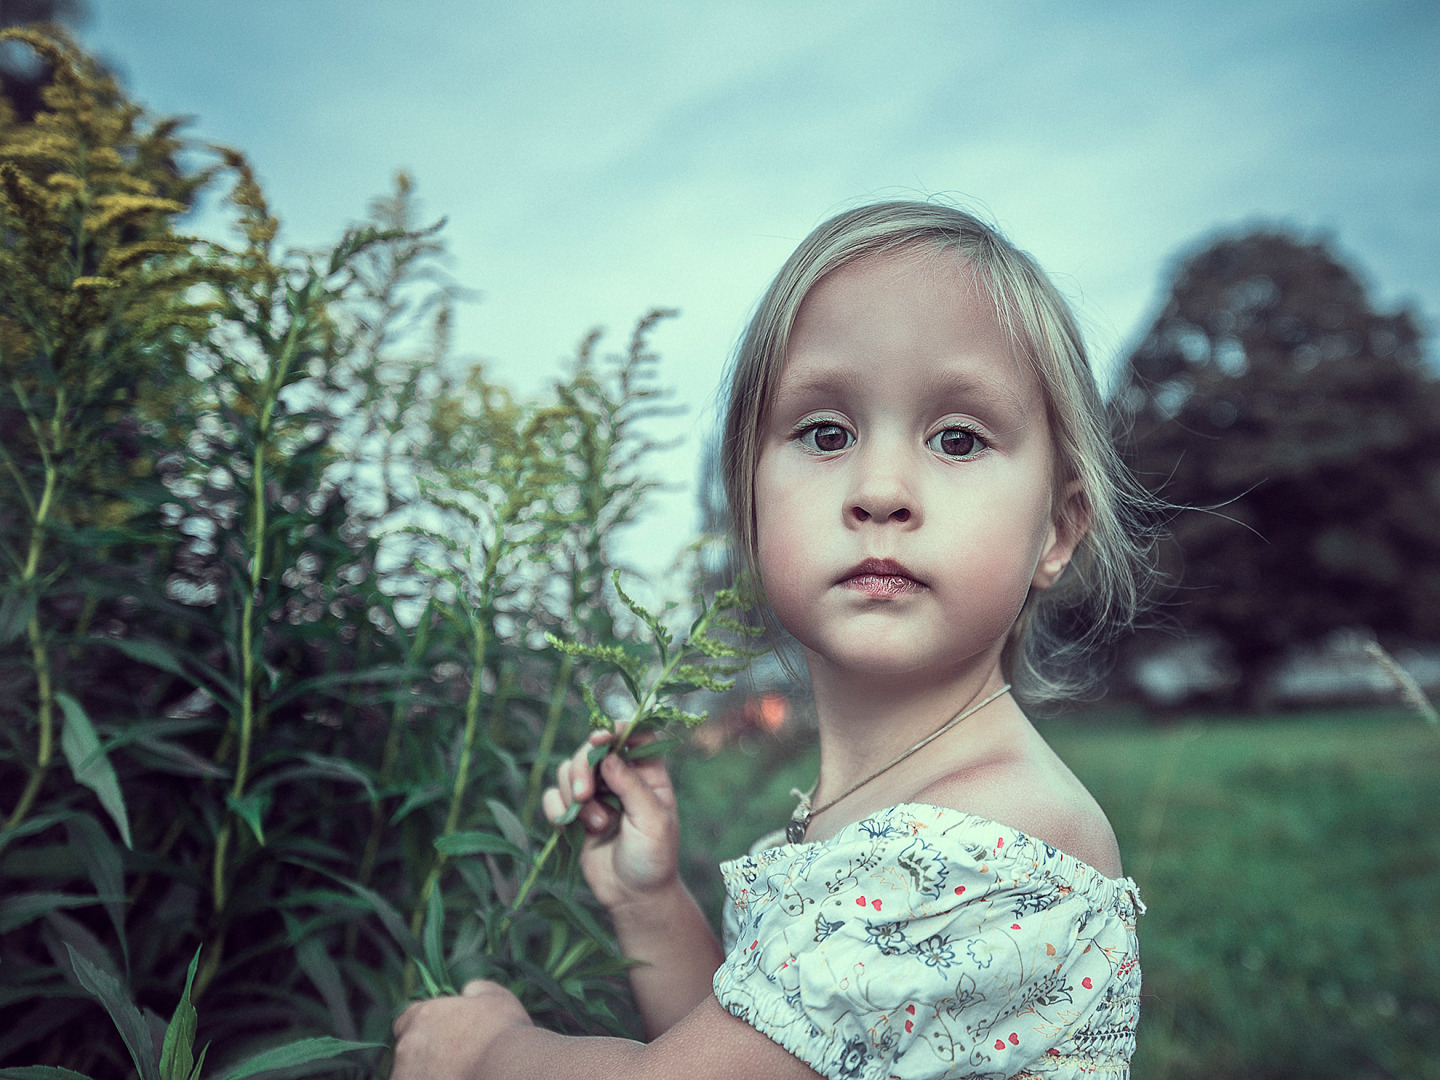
(881,496)
(900,513)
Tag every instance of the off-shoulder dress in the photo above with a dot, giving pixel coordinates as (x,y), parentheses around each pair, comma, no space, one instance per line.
(923,942)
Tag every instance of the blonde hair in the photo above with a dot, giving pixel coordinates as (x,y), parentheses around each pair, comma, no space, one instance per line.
(1102,589)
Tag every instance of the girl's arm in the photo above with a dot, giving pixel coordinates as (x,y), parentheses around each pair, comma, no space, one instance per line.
(486,1035)
(631,864)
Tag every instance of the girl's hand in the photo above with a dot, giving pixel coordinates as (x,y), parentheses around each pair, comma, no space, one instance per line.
(446,1038)
(632,858)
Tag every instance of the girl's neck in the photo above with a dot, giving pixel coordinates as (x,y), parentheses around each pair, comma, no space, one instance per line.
(865,722)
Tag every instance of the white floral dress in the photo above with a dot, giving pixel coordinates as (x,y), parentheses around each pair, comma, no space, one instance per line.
(923,942)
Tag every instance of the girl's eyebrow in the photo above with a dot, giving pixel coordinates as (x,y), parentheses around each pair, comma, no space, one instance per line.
(990,389)
(817,381)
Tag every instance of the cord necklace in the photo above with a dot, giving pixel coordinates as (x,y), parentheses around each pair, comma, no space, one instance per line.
(804,814)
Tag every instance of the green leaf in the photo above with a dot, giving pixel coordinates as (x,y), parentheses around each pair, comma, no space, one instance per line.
(16,911)
(317,963)
(161,755)
(250,807)
(632,684)
(196,1072)
(511,826)
(147,652)
(89,763)
(578,952)
(107,872)
(123,1012)
(298,1053)
(394,674)
(158,656)
(177,1056)
(662,636)
(16,611)
(30,826)
(476,843)
(40,1072)
(434,939)
(384,910)
(559,938)
(432,987)
(416,798)
(321,766)
(655,749)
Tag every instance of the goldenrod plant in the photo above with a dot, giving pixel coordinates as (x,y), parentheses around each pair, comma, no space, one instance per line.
(298,613)
(94,324)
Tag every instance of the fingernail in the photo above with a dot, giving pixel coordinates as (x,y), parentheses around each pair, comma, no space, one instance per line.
(578,788)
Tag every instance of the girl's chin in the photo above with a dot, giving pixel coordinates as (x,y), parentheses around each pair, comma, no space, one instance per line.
(873,666)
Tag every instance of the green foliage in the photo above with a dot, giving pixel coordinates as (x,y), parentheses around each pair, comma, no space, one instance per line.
(1272,393)
(279,587)
(703,661)
(1290,871)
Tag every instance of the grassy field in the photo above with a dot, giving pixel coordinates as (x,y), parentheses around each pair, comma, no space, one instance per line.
(1291,867)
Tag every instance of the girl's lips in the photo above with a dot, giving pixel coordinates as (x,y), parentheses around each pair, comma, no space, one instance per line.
(882,585)
(880,578)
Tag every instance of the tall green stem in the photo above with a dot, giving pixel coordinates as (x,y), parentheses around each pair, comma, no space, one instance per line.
(248,666)
(523,893)
(39,651)
(462,773)
(46,695)
(547,737)
(472,709)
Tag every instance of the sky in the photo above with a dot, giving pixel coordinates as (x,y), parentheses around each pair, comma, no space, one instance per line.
(595,161)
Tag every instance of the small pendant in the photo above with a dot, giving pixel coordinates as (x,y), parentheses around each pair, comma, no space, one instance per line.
(799,822)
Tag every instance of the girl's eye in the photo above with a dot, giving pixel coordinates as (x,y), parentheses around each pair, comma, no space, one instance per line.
(826,438)
(956,443)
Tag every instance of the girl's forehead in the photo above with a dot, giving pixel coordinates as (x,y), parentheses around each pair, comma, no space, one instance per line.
(912,315)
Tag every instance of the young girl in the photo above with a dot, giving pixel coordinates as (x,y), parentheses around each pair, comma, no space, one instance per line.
(921,478)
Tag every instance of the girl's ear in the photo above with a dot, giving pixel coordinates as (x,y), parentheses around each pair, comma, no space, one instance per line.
(1068,527)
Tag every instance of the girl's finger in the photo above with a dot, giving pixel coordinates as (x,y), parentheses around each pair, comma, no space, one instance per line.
(581,781)
(642,805)
(598,818)
(563,784)
(552,804)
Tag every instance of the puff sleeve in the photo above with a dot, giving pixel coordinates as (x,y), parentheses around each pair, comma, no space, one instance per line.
(924,943)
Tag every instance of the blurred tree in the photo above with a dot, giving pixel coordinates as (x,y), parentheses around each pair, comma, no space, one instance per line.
(23,75)
(1305,427)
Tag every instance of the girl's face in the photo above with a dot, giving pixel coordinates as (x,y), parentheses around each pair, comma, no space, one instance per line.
(904,502)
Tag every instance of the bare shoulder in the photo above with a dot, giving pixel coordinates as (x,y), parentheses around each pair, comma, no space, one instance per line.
(1033,791)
